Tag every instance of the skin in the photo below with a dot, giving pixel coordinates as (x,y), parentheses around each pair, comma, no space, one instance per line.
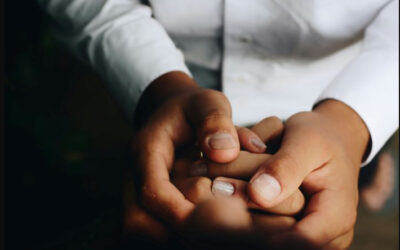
(211,215)
(174,110)
(242,167)
(321,152)
(197,190)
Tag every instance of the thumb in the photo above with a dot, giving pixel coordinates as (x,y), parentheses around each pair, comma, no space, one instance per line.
(210,113)
(282,174)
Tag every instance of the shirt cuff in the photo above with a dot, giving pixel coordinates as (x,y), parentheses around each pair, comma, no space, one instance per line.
(370,87)
(129,63)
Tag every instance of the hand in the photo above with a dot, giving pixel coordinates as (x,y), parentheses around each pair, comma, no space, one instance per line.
(226,223)
(209,215)
(175,112)
(186,170)
(321,152)
(220,223)
(197,189)
(216,220)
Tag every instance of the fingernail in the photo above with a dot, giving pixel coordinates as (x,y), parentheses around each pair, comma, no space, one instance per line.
(258,143)
(221,141)
(222,188)
(198,169)
(266,186)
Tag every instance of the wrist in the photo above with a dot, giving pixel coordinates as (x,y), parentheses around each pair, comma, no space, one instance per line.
(162,89)
(348,126)
(169,86)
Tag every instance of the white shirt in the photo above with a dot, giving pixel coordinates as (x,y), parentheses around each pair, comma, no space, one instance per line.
(276,57)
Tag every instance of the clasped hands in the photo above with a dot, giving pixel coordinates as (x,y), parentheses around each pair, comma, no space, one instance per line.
(258,194)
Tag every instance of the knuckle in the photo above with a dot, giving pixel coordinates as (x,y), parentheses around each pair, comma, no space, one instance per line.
(201,188)
(306,240)
(287,222)
(209,94)
(349,223)
(341,243)
(349,239)
(214,116)
(296,204)
(148,196)
(218,169)
(275,121)
(215,94)
(243,131)
(287,164)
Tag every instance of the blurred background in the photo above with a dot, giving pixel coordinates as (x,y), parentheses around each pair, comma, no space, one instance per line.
(66,143)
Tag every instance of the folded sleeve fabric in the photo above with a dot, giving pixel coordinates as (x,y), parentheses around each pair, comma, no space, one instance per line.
(120,40)
(370,83)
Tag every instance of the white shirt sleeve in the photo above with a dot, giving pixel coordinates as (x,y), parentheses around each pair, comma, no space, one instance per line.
(370,83)
(120,40)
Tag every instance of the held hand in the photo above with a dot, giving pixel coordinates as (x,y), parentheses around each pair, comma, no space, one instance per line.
(187,169)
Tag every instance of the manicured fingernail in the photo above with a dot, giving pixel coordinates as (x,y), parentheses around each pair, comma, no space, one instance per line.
(221,141)
(198,169)
(258,144)
(222,188)
(266,186)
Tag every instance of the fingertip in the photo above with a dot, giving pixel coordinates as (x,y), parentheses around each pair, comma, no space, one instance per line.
(258,145)
(264,189)
(222,188)
(221,141)
(221,147)
(250,141)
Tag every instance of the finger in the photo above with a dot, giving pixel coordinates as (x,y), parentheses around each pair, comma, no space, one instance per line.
(158,194)
(222,213)
(243,167)
(210,113)
(328,215)
(185,167)
(222,223)
(136,220)
(276,179)
(272,223)
(195,189)
(288,239)
(342,242)
(227,187)
(250,140)
(292,206)
(270,131)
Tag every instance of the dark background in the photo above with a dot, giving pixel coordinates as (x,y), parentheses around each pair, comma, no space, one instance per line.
(66,143)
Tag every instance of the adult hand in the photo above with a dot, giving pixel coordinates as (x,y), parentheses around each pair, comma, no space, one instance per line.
(174,112)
